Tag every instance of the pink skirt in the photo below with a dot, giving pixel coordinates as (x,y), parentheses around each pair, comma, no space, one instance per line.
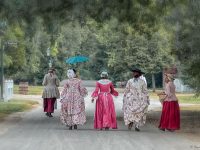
(170,117)
(105,115)
(49,104)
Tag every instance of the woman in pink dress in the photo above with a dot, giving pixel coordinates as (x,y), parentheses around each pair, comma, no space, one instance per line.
(170,117)
(105,116)
(72,101)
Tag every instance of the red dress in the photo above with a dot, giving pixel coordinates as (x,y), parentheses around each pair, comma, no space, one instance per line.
(105,115)
(170,117)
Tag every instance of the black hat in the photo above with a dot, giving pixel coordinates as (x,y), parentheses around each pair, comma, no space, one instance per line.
(137,70)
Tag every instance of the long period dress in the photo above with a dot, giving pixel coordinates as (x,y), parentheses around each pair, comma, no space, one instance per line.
(105,116)
(72,103)
(170,117)
(50,92)
(135,102)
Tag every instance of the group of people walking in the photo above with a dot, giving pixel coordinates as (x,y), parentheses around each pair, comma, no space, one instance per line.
(135,101)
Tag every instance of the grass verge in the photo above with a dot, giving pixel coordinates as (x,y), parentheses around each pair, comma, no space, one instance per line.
(14,106)
(188,98)
(182,98)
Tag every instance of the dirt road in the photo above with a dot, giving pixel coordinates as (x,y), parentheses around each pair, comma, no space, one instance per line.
(34,131)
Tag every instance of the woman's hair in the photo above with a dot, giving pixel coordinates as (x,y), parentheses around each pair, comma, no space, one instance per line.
(50,71)
(74,71)
(104,75)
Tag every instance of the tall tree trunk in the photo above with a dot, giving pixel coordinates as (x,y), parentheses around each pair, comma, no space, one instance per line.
(153,83)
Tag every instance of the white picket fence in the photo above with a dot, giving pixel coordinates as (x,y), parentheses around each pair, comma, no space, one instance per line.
(8,89)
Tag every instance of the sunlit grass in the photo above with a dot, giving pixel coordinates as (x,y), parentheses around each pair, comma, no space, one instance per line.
(190,108)
(182,97)
(188,99)
(13,106)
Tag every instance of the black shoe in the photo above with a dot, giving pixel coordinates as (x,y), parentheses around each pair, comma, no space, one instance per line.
(47,114)
(50,115)
(70,128)
(170,130)
(137,129)
(130,125)
(162,129)
(75,127)
(107,128)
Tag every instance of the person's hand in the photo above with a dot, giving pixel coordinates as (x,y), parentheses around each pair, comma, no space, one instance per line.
(161,93)
(92,100)
(148,100)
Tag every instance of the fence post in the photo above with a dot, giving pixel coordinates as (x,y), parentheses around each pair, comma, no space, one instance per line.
(8,89)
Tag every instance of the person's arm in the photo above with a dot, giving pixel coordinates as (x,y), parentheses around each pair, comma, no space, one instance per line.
(144,88)
(83,90)
(113,91)
(127,88)
(44,83)
(145,91)
(64,91)
(57,81)
(168,90)
(145,80)
(96,92)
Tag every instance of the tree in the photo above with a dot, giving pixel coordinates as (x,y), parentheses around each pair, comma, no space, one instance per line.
(116,35)
(186,45)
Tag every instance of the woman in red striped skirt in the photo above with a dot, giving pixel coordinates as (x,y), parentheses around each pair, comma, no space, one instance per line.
(170,117)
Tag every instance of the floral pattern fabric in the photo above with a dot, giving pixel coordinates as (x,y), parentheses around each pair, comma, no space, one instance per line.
(72,103)
(135,102)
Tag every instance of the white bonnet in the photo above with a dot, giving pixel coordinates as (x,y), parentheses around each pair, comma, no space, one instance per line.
(104,74)
(71,73)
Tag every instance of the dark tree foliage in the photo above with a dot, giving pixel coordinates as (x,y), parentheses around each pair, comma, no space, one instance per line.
(115,34)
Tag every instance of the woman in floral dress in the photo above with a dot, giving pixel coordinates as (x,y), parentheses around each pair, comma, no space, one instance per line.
(136,101)
(72,101)
(105,116)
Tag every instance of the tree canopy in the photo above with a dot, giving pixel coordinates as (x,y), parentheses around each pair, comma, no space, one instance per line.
(115,34)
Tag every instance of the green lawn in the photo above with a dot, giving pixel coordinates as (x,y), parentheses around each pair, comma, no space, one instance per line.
(13,106)
(183,98)
(188,98)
